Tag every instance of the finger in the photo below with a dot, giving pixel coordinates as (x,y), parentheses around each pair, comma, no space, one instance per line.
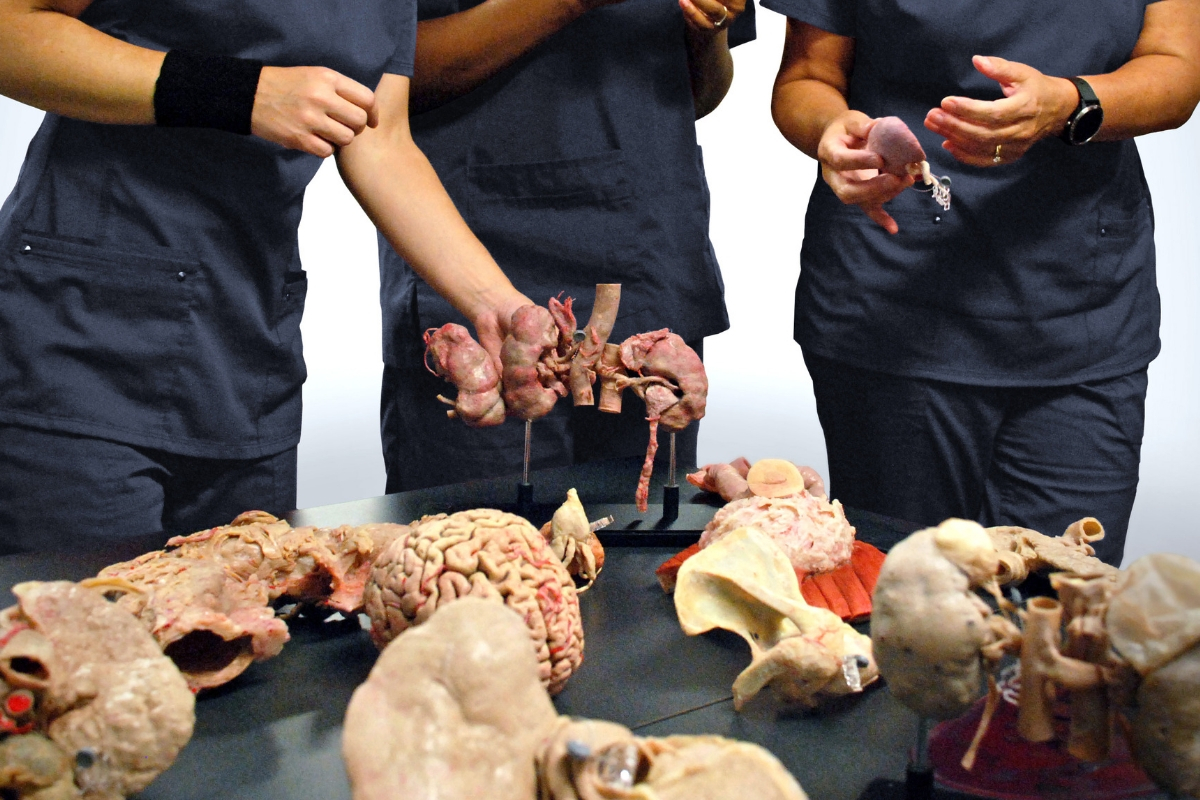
(714,11)
(843,158)
(966,132)
(1002,70)
(874,191)
(314,145)
(881,218)
(352,116)
(986,112)
(1008,154)
(859,126)
(695,17)
(334,132)
(355,92)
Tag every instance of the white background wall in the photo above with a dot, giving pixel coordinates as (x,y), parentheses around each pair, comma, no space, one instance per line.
(761,400)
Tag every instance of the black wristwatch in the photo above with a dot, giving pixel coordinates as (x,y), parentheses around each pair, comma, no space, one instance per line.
(1085,121)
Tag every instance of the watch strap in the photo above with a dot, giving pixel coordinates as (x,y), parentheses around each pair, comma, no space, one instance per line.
(1087,97)
(1089,103)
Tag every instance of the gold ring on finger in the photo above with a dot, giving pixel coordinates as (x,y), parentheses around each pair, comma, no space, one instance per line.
(996,159)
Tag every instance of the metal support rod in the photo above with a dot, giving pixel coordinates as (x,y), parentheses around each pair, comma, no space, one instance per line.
(671,471)
(921,754)
(528,443)
(918,777)
(524,488)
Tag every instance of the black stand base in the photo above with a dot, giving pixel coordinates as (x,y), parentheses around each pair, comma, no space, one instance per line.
(918,783)
(524,499)
(670,503)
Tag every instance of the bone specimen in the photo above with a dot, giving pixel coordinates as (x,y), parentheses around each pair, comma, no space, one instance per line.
(206,600)
(573,540)
(934,637)
(903,155)
(745,583)
(454,709)
(95,709)
(483,553)
(812,532)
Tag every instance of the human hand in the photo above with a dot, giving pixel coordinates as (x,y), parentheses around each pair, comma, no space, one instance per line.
(853,172)
(493,323)
(711,16)
(986,133)
(313,109)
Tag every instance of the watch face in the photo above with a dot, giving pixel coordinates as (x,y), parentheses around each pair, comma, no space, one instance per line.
(1087,124)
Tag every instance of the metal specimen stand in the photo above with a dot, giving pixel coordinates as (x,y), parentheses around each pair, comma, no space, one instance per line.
(671,490)
(525,488)
(918,776)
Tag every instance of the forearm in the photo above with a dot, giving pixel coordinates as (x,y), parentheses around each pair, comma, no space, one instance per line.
(457,53)
(710,66)
(803,109)
(54,62)
(1148,94)
(1159,87)
(812,84)
(402,195)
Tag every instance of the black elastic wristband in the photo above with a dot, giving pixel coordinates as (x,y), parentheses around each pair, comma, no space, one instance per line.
(195,90)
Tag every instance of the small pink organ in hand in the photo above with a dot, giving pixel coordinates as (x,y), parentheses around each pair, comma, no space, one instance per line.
(903,155)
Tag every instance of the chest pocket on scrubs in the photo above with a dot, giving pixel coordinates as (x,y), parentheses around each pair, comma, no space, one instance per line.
(103,332)
(562,225)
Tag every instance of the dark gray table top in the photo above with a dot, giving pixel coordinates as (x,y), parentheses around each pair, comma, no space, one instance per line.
(275,732)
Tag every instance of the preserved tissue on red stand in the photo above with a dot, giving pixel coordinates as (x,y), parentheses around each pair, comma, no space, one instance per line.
(1009,768)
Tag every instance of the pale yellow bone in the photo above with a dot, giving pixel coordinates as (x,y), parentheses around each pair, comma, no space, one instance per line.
(744,583)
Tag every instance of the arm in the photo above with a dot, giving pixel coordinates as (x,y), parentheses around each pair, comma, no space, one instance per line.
(395,184)
(51,60)
(810,109)
(710,64)
(458,52)
(1157,89)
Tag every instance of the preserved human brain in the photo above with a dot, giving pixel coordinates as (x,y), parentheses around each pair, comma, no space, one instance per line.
(92,708)
(481,553)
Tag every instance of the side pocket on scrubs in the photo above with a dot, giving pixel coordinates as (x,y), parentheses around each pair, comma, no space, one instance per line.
(95,340)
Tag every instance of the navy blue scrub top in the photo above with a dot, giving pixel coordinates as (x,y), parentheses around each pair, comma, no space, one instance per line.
(577,165)
(1042,271)
(150,281)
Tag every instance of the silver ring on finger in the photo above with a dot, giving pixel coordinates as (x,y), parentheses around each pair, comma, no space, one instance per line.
(720,23)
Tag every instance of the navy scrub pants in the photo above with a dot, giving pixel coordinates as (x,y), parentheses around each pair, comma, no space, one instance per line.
(1038,457)
(59,491)
(422,447)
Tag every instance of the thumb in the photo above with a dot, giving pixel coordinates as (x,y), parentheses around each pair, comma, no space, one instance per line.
(1004,72)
